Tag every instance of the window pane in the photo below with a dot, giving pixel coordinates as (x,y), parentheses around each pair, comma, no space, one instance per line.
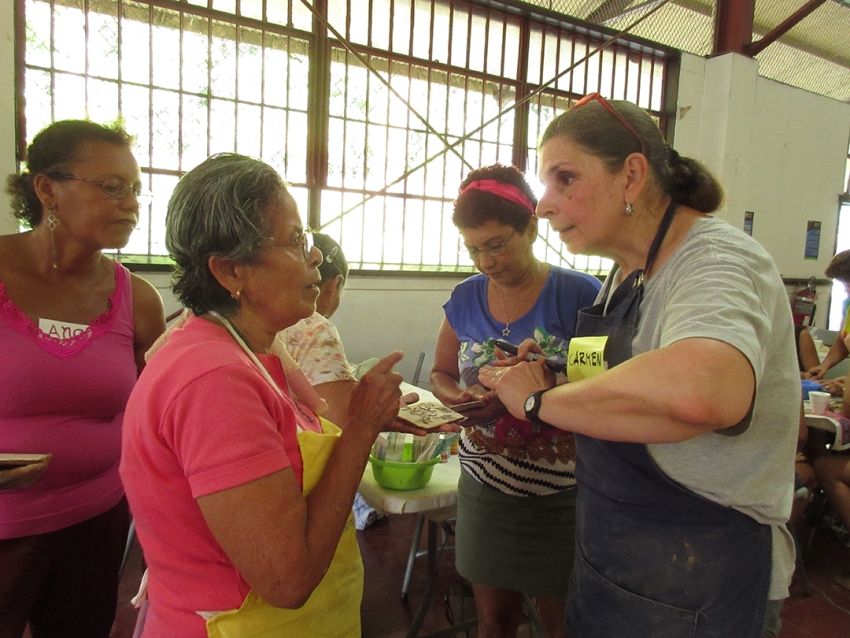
(103,45)
(69,44)
(434,96)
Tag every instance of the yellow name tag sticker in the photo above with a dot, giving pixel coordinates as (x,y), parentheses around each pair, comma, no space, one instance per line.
(586,357)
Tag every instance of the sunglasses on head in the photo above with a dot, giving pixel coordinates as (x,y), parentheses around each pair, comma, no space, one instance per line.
(590,97)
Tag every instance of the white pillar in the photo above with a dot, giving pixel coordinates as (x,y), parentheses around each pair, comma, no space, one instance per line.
(7,109)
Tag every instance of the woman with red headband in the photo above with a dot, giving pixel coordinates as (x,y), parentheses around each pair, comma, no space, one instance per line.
(516,496)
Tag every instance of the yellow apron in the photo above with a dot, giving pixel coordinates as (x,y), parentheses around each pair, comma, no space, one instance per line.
(333,609)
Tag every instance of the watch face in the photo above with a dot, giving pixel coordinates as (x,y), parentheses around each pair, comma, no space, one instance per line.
(529,402)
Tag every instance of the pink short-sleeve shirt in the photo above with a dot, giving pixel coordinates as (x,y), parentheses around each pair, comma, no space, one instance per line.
(201,419)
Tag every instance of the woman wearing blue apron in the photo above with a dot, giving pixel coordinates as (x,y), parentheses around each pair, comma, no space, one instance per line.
(684,393)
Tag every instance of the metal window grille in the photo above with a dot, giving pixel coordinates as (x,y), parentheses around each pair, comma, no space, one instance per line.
(617,72)
(417,94)
(187,81)
(463,68)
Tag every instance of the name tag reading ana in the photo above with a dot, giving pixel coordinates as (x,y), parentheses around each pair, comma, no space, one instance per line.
(60,329)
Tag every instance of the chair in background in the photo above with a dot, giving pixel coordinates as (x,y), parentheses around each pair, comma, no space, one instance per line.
(424,362)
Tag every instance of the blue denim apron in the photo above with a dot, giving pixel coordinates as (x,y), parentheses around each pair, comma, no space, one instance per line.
(654,559)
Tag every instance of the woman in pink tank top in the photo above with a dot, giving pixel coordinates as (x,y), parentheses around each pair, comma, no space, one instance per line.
(74,326)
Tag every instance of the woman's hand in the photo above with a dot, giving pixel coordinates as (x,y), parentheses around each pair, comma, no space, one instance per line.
(528,350)
(514,383)
(492,410)
(375,400)
(837,353)
(834,386)
(401,426)
(816,373)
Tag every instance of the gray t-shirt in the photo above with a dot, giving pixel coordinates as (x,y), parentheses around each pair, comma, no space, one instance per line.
(721,284)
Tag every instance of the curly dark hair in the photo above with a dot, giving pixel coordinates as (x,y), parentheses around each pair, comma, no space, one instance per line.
(476,207)
(599,133)
(839,267)
(54,150)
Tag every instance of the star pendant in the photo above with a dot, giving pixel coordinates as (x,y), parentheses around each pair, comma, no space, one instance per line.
(506,331)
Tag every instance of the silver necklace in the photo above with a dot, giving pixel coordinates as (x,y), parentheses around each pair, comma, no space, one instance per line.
(506,331)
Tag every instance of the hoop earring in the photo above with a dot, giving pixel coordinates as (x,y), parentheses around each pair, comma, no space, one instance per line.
(52,222)
(629,209)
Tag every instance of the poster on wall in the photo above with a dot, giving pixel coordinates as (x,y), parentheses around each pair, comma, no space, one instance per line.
(748,222)
(812,239)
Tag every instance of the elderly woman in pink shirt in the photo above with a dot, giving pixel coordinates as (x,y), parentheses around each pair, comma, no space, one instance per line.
(241,493)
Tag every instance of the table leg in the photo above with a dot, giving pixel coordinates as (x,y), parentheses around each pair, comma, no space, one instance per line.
(428,598)
(414,552)
(432,578)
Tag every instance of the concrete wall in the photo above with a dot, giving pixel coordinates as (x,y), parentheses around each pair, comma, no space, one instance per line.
(7,108)
(779,151)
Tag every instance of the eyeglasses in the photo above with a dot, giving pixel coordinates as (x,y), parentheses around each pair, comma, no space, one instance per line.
(493,250)
(304,239)
(590,97)
(113,187)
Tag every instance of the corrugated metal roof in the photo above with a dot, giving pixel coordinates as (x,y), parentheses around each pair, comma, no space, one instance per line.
(813,55)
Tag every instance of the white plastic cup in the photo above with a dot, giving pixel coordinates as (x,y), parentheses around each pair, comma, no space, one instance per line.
(819,401)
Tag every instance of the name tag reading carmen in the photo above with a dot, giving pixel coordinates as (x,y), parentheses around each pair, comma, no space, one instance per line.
(60,329)
(586,357)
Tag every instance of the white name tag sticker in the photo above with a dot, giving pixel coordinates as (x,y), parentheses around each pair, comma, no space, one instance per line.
(60,329)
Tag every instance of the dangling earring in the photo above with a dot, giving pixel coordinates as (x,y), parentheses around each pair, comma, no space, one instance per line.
(629,209)
(52,222)
(236,294)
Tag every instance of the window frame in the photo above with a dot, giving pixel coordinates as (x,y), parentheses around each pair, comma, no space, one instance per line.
(322,44)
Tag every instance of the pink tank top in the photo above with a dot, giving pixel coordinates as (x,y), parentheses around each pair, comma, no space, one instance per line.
(65,397)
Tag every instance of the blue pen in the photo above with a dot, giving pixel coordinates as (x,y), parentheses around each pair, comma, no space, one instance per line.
(511,349)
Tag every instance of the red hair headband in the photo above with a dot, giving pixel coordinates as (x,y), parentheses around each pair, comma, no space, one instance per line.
(503,190)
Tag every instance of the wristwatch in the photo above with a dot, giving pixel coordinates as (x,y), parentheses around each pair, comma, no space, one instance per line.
(532,407)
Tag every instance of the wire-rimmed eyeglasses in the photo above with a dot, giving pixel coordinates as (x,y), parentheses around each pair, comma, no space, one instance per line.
(493,250)
(304,239)
(590,97)
(112,186)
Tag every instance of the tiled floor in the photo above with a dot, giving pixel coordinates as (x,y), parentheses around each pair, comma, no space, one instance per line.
(385,545)
(826,612)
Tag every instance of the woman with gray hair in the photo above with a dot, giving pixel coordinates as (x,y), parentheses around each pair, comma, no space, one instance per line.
(241,493)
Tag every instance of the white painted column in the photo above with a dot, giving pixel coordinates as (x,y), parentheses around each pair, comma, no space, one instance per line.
(7,109)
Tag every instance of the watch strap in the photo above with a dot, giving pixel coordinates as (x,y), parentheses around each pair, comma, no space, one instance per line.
(532,411)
